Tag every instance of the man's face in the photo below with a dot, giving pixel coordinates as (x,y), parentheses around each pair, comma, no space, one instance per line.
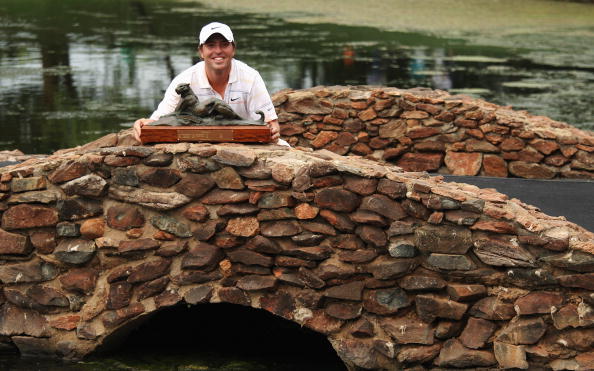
(217,53)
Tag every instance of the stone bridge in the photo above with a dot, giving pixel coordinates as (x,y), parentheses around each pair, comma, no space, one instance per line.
(397,269)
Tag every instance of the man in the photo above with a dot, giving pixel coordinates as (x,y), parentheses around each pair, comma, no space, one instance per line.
(221,76)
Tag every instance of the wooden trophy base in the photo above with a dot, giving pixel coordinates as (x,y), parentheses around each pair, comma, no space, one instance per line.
(240,134)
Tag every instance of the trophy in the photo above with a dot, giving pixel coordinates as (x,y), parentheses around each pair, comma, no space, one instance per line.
(209,121)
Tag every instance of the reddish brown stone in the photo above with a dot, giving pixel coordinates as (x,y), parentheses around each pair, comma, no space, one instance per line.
(234,295)
(430,307)
(29,216)
(538,303)
(362,329)
(202,255)
(338,221)
(343,311)
(494,165)
(523,331)
(167,299)
(420,161)
(138,245)
(512,144)
(531,170)
(14,244)
(44,241)
(152,288)
(337,199)
(392,188)
(384,206)
(243,227)
(306,211)
(227,178)
(323,138)
(357,256)
(477,332)
(421,283)
(256,282)
(195,185)
(421,132)
(462,163)
(348,291)
(322,323)
(368,114)
(460,292)
(446,329)
(583,281)
(249,257)
(92,228)
(79,280)
(117,317)
(510,356)
(119,161)
(492,308)
(149,271)
(160,177)
(124,217)
(119,295)
(134,232)
(68,322)
(408,330)
(545,146)
(67,171)
(221,196)
(372,235)
(418,354)
(454,354)
(280,304)
(281,228)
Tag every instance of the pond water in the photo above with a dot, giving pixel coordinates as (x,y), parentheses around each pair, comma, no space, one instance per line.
(72,71)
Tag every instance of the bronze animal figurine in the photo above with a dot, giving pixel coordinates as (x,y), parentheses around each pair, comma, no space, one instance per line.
(211,112)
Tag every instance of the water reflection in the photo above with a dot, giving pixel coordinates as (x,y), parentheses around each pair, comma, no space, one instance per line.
(71,71)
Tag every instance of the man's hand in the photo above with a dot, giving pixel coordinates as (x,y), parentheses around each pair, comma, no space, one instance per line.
(275,130)
(138,124)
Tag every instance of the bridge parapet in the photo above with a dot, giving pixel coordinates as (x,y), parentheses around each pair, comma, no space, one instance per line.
(431,130)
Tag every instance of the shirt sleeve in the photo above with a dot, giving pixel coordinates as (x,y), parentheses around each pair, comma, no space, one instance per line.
(259,100)
(169,102)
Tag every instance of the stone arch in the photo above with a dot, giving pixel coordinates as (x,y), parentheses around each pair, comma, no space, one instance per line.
(397,268)
(224,329)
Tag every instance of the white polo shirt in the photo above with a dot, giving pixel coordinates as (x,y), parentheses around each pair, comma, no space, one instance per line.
(245,92)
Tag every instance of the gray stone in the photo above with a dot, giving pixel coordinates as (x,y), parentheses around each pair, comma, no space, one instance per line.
(443,239)
(42,197)
(401,249)
(90,185)
(200,294)
(33,183)
(387,269)
(385,301)
(36,270)
(153,200)
(78,208)
(451,262)
(67,229)
(171,225)
(235,156)
(503,251)
(75,251)
(574,260)
(125,176)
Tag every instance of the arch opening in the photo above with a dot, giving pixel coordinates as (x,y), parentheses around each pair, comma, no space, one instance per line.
(219,337)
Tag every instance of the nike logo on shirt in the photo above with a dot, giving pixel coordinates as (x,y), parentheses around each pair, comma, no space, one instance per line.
(234,99)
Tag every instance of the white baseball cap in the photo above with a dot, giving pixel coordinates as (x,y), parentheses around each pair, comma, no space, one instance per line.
(213,28)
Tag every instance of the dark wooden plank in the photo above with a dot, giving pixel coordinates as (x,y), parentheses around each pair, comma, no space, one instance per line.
(241,134)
